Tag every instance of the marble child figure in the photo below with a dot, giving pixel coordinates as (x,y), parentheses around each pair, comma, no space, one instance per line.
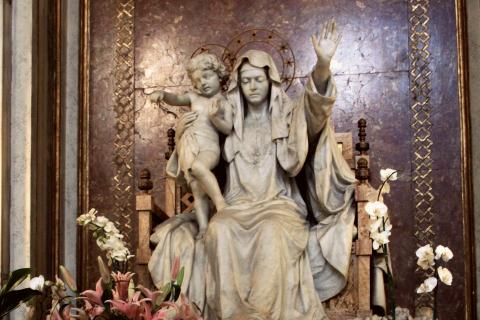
(197,149)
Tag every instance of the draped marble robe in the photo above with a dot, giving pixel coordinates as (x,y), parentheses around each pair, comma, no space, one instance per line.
(260,258)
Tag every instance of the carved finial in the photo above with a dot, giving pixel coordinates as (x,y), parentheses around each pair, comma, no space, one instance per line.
(145,183)
(362,173)
(362,146)
(171,143)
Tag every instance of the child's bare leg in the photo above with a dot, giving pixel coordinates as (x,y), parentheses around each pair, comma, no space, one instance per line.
(201,207)
(201,171)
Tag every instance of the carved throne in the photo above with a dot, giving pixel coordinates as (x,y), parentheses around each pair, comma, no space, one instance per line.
(354,301)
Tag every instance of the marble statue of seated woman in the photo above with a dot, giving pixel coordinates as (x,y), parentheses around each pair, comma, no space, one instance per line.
(260,257)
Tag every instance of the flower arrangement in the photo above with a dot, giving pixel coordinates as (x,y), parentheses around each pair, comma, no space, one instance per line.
(380,229)
(107,236)
(115,296)
(426,260)
(10,299)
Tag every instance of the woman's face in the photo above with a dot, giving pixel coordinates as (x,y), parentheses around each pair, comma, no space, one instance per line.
(254,84)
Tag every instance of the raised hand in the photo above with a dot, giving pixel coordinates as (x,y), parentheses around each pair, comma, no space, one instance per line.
(326,43)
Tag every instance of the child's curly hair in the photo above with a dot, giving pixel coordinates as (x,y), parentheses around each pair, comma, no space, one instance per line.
(207,61)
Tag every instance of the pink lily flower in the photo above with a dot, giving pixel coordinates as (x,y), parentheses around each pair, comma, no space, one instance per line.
(131,308)
(122,282)
(93,311)
(55,316)
(152,295)
(187,311)
(159,315)
(94,297)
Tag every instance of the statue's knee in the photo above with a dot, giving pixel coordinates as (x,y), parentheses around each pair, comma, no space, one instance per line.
(269,230)
(197,169)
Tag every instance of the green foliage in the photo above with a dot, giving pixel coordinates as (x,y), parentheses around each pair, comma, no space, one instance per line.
(10,299)
(180,276)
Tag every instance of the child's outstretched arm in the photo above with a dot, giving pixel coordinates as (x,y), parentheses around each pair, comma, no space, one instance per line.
(221,115)
(170,98)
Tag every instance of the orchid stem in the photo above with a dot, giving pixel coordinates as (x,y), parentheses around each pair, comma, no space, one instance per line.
(383,183)
(435,292)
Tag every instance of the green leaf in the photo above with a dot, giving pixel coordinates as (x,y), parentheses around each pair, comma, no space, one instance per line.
(165,293)
(175,292)
(180,276)
(14,279)
(12,299)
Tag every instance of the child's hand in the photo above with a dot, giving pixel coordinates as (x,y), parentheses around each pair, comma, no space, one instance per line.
(156,96)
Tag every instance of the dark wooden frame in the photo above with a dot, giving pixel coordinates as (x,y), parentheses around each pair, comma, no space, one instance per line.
(466,161)
(83,137)
(6,94)
(46,192)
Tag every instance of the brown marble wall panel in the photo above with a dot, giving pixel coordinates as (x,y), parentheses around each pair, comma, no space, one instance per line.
(448,228)
(371,72)
(101,117)
(448,220)
(167,33)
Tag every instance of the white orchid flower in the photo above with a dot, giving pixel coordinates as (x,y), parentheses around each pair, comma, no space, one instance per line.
(37,283)
(445,275)
(428,285)
(101,221)
(121,254)
(375,226)
(111,229)
(425,257)
(385,173)
(376,209)
(443,252)
(380,238)
(86,218)
(106,234)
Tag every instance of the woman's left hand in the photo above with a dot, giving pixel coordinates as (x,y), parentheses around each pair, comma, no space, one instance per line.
(326,43)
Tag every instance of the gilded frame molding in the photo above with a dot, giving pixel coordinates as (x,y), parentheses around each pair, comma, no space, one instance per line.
(83,139)
(466,159)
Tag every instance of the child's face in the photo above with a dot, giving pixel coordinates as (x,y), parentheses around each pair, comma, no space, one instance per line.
(206,81)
